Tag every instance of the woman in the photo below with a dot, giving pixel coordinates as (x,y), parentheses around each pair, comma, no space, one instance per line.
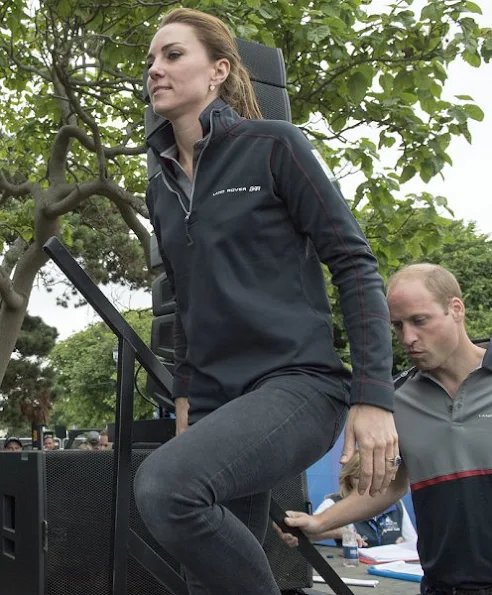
(243,212)
(391,526)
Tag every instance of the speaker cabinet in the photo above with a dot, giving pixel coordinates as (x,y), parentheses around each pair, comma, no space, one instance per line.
(56,527)
(79,488)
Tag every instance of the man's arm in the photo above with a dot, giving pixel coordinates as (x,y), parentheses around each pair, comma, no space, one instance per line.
(348,510)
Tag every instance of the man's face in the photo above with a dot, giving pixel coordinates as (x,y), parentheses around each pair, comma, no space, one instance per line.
(13,446)
(429,333)
(49,444)
(103,442)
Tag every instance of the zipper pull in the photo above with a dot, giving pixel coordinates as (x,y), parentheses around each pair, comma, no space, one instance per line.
(189,239)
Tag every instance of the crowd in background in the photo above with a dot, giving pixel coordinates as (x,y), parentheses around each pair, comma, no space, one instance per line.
(91,440)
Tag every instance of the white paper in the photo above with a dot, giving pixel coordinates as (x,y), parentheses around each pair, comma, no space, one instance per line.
(402,567)
(406,550)
(355,582)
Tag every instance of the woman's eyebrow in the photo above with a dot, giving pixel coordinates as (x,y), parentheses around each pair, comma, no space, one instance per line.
(165,47)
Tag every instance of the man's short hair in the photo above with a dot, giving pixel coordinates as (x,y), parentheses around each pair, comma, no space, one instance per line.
(12,439)
(441,283)
(93,437)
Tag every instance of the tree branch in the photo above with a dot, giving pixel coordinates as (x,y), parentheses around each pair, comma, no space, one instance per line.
(118,194)
(15,189)
(11,298)
(67,132)
(80,193)
(9,50)
(12,255)
(133,222)
(88,120)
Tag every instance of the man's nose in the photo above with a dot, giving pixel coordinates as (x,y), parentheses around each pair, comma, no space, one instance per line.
(409,336)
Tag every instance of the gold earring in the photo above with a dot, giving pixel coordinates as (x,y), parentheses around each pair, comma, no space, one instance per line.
(212,87)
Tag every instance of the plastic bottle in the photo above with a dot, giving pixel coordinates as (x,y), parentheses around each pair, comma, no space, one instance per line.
(350,548)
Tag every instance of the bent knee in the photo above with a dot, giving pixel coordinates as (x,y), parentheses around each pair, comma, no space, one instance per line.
(163,495)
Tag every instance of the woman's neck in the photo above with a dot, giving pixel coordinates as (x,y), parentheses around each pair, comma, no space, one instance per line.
(186,134)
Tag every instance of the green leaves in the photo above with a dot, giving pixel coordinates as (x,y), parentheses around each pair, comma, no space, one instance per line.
(474,112)
(358,85)
(86,374)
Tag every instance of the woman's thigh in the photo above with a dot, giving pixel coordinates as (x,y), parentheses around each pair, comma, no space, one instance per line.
(252,443)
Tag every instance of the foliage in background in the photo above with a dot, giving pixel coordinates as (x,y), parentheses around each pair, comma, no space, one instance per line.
(27,389)
(86,375)
(468,255)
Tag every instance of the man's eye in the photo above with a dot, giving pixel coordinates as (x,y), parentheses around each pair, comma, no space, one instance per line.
(419,321)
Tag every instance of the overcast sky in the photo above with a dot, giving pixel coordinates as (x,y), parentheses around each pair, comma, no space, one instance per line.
(467,185)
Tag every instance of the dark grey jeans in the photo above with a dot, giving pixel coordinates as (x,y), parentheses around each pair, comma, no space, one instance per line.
(204,495)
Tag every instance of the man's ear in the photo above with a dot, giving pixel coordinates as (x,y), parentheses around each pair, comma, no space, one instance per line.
(457,308)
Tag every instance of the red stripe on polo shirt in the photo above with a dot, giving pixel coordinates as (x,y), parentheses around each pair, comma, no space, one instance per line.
(459,475)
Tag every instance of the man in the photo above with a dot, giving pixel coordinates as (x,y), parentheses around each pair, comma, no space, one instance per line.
(48,442)
(443,414)
(13,444)
(93,439)
(104,443)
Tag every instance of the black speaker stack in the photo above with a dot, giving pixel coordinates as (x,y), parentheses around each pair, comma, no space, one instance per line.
(56,527)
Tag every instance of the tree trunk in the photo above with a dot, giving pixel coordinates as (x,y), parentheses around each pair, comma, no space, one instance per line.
(10,324)
(26,270)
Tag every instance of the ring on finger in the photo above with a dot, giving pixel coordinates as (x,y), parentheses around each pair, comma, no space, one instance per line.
(395,461)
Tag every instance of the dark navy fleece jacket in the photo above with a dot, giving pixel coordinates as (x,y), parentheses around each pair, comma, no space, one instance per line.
(243,252)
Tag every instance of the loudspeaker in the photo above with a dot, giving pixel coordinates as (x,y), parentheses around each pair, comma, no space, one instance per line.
(290,568)
(22,526)
(162,297)
(79,487)
(56,527)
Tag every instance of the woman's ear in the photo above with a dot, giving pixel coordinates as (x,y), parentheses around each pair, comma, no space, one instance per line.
(221,71)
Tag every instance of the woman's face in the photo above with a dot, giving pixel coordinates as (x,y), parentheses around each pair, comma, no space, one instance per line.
(354,482)
(180,73)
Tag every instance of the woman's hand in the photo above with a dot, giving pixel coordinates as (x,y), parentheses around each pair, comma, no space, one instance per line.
(182,406)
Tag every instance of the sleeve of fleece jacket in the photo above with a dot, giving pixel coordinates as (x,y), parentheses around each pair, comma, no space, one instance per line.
(318,209)
(181,368)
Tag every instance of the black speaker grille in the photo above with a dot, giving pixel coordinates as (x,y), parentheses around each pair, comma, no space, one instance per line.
(79,491)
(264,63)
(273,101)
(290,569)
